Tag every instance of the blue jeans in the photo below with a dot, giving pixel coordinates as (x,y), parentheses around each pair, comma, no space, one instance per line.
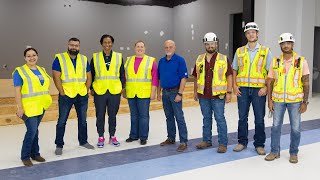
(217,107)
(139,113)
(65,104)
(250,95)
(30,146)
(295,122)
(173,111)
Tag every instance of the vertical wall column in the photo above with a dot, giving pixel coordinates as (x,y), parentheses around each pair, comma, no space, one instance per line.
(295,16)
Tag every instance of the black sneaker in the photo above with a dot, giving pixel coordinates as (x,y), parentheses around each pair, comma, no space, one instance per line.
(130,139)
(143,142)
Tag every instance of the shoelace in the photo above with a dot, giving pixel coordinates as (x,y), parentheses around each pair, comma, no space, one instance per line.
(114,140)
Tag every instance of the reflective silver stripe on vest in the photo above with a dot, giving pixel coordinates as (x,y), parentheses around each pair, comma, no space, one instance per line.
(146,69)
(28,79)
(295,80)
(292,98)
(34,94)
(66,73)
(221,73)
(106,77)
(278,96)
(241,61)
(200,58)
(276,73)
(117,63)
(98,64)
(145,79)
(74,80)
(260,64)
(84,69)
(245,80)
(220,88)
(289,97)
(242,50)
(201,88)
(127,68)
(31,93)
(139,80)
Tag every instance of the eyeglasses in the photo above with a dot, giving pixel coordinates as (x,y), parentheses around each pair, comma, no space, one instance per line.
(281,38)
(251,26)
(74,45)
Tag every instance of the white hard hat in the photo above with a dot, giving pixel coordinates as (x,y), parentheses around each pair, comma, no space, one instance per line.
(210,37)
(251,25)
(286,37)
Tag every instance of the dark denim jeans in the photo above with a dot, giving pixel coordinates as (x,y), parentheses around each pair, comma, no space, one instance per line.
(295,123)
(139,113)
(250,95)
(173,112)
(217,107)
(30,146)
(110,102)
(65,104)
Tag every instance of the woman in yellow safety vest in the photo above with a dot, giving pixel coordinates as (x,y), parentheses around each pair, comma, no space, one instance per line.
(32,96)
(141,84)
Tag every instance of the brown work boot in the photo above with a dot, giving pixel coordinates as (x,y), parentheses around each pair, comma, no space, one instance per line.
(182,147)
(260,151)
(222,148)
(203,145)
(293,158)
(27,163)
(167,142)
(39,159)
(271,157)
(239,147)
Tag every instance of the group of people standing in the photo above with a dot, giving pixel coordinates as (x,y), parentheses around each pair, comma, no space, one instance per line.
(252,75)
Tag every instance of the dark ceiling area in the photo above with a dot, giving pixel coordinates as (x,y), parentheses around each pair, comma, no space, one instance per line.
(164,3)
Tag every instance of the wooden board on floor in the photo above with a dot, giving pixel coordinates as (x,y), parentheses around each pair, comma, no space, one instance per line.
(8,105)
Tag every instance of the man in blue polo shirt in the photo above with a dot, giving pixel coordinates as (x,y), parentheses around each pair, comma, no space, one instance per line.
(173,75)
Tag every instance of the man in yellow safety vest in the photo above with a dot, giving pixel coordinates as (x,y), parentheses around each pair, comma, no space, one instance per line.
(250,67)
(72,77)
(288,88)
(213,88)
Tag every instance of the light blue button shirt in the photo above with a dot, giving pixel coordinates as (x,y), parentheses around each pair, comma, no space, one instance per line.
(252,54)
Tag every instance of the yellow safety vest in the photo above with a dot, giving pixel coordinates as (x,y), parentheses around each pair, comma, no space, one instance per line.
(252,74)
(35,97)
(288,87)
(139,84)
(73,81)
(219,80)
(107,79)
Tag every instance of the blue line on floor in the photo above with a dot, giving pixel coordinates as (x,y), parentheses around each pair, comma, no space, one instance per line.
(118,158)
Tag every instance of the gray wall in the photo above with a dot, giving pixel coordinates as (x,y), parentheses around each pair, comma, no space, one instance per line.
(48,24)
(206,16)
(270,16)
(317,13)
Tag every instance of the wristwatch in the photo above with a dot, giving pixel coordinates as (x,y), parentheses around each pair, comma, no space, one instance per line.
(229,92)
(305,102)
(179,94)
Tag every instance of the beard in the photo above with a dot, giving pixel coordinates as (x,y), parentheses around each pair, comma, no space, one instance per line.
(286,51)
(211,51)
(169,53)
(73,52)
